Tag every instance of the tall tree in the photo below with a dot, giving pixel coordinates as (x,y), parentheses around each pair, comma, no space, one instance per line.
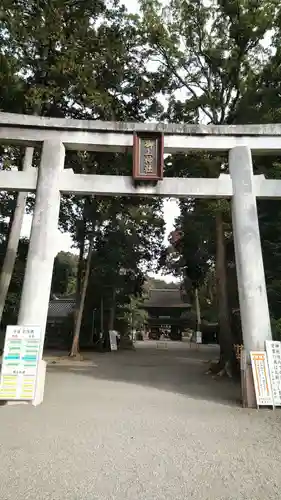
(193,241)
(209,55)
(64,274)
(78,59)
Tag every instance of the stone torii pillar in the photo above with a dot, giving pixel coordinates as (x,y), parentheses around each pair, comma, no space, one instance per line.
(42,246)
(249,264)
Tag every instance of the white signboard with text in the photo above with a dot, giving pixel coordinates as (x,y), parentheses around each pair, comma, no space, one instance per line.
(273,351)
(113,340)
(22,352)
(198,337)
(261,378)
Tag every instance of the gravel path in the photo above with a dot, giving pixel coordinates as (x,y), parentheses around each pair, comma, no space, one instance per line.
(144,425)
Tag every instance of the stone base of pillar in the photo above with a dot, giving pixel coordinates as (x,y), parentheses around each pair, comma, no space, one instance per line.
(40,385)
(247,387)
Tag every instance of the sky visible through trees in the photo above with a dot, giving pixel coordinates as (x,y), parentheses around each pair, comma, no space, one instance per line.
(171,212)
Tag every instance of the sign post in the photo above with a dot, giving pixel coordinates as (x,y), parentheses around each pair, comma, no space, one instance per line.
(273,350)
(261,379)
(198,337)
(113,340)
(21,364)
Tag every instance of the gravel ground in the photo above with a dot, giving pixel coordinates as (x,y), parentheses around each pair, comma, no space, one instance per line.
(144,425)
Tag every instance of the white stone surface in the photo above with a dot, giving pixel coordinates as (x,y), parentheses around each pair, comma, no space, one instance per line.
(42,246)
(268,188)
(115,136)
(121,141)
(44,122)
(40,383)
(12,180)
(249,261)
(111,184)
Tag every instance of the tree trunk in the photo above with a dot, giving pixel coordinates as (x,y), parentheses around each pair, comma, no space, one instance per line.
(225,333)
(101,316)
(78,319)
(80,271)
(14,236)
(80,268)
(198,310)
(112,311)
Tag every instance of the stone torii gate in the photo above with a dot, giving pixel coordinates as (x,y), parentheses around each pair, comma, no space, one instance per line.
(242,186)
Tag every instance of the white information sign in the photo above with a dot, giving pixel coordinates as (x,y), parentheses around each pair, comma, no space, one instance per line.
(22,352)
(113,340)
(198,337)
(273,350)
(261,378)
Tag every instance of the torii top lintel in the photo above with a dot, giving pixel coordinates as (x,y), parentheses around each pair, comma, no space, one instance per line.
(118,136)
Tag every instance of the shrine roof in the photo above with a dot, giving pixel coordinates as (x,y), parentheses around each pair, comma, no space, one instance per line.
(165,298)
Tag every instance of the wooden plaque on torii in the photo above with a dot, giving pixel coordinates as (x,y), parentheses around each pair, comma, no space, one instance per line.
(148,156)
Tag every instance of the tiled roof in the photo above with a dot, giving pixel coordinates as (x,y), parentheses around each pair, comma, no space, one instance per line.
(60,308)
(165,297)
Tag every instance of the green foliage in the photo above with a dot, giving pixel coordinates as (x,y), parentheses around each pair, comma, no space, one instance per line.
(133,314)
(128,238)
(64,274)
(82,59)
(13,299)
(211,52)
(276,328)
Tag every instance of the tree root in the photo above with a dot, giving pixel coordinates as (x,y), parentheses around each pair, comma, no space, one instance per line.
(217,369)
(75,357)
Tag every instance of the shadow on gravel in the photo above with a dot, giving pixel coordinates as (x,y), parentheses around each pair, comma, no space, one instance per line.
(179,370)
